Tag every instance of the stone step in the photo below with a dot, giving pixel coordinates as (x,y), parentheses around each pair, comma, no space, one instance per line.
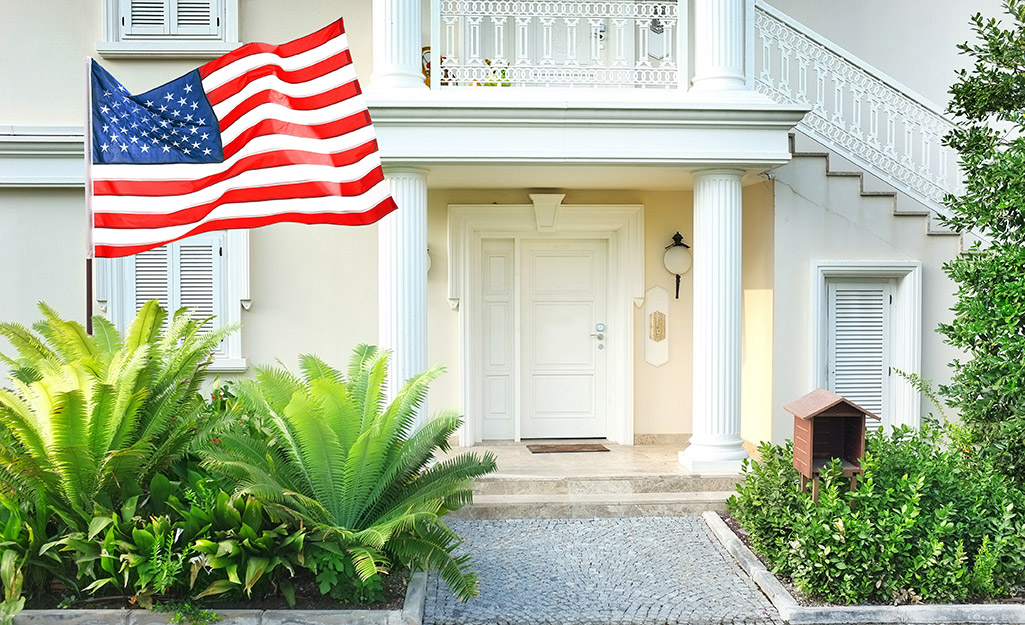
(608,485)
(592,505)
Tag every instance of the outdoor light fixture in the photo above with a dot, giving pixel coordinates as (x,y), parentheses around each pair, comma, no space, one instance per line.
(677,259)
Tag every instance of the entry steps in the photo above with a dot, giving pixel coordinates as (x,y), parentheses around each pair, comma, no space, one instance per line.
(518,497)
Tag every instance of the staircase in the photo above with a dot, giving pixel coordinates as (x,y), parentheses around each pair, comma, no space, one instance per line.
(807,152)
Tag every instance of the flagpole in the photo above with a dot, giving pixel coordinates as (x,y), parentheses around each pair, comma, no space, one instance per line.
(88,145)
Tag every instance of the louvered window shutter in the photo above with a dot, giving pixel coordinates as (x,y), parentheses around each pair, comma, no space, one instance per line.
(859,327)
(196,17)
(145,17)
(171,18)
(151,273)
(198,275)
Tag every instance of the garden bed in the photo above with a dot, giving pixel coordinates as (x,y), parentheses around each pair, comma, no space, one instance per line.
(790,610)
(410,612)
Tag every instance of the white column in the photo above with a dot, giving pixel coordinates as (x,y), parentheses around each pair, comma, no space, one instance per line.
(398,40)
(402,277)
(719,45)
(716,445)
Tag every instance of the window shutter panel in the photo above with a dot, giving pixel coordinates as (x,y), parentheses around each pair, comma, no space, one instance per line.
(197,17)
(151,277)
(145,17)
(859,337)
(198,276)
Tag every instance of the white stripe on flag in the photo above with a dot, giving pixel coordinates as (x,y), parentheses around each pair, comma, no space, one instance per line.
(299,61)
(324,83)
(260,145)
(278,112)
(309,206)
(250,180)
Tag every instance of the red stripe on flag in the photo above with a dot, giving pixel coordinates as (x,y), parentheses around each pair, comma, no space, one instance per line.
(301,103)
(339,219)
(284,50)
(295,76)
(289,191)
(266,160)
(316,131)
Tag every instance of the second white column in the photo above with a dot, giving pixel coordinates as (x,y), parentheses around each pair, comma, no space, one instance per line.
(716,445)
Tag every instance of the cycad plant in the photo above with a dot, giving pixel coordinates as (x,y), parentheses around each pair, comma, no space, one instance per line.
(91,418)
(353,468)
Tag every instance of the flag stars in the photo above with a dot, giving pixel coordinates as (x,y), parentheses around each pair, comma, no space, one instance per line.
(204,136)
(144,148)
(107,94)
(206,152)
(104,109)
(182,102)
(106,127)
(188,118)
(166,149)
(163,109)
(168,97)
(186,150)
(188,88)
(124,147)
(104,147)
(176,113)
(193,130)
(194,105)
(149,103)
(195,144)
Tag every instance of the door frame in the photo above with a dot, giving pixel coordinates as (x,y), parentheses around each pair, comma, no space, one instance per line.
(622,226)
(906,336)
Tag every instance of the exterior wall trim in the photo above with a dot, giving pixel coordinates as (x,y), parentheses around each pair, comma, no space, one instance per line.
(907,339)
(621,225)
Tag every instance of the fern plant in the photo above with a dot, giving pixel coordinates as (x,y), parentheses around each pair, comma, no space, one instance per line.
(354,469)
(91,418)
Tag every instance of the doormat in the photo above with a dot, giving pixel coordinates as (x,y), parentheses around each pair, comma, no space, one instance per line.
(566,449)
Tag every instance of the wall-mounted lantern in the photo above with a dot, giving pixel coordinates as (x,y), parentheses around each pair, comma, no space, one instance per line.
(677,259)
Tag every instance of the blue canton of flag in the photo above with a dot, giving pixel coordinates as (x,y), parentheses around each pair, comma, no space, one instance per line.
(170,124)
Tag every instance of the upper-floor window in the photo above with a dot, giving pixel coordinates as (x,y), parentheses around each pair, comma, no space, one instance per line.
(184,28)
(206,273)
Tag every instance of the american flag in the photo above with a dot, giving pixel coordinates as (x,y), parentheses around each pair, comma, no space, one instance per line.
(262,135)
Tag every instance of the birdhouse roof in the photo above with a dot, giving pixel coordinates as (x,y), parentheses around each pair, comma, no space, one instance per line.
(820,401)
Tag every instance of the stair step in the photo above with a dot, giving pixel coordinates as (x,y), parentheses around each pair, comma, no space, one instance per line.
(592,505)
(582,485)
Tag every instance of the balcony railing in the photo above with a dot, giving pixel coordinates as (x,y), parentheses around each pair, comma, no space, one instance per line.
(556,43)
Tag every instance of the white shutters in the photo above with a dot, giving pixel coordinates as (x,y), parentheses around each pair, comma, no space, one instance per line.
(170,18)
(859,352)
(184,273)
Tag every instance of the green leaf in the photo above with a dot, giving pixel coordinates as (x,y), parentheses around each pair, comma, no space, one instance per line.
(218,587)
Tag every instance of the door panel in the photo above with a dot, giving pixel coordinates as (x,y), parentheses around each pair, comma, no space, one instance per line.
(562,298)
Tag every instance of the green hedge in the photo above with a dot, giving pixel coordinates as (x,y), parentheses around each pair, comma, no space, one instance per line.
(930,520)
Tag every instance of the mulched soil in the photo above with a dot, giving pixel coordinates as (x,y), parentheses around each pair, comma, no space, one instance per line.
(1017,595)
(307,597)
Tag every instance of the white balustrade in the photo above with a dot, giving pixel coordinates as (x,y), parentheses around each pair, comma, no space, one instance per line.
(908,155)
(558,43)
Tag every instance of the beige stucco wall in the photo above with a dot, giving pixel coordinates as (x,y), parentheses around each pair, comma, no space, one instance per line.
(43,44)
(42,254)
(819,218)
(913,41)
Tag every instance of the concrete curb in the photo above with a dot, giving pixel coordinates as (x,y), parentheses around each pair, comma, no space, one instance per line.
(412,613)
(792,612)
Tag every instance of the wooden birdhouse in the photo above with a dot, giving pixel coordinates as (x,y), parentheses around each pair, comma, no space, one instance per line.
(827,426)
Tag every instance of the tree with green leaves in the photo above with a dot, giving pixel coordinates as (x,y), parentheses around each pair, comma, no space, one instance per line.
(988,387)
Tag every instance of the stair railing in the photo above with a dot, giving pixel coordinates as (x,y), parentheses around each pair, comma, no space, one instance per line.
(856,111)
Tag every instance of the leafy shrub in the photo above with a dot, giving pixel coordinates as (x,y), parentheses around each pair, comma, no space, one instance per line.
(928,522)
(92,418)
(768,501)
(352,468)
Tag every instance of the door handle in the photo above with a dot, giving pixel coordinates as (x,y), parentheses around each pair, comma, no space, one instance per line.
(598,336)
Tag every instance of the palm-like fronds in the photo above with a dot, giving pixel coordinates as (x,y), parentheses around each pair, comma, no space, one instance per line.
(89,419)
(340,460)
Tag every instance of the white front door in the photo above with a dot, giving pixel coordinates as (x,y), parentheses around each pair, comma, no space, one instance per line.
(563,294)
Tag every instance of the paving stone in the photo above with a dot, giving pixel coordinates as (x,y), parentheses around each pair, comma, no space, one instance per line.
(608,571)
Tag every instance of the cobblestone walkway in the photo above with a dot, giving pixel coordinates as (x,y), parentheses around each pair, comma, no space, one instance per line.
(640,571)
